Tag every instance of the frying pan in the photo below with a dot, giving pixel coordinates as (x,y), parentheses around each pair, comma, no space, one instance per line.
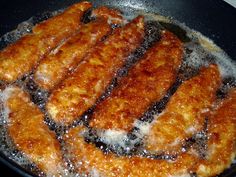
(213,18)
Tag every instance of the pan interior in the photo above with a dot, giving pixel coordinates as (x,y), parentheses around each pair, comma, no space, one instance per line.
(199,51)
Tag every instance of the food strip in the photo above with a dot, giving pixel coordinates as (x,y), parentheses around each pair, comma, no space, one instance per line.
(147,82)
(222,138)
(82,88)
(184,113)
(88,159)
(29,133)
(22,56)
(55,67)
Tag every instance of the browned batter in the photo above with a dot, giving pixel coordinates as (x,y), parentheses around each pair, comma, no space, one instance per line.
(55,67)
(184,113)
(222,138)
(29,133)
(83,87)
(22,56)
(146,83)
(88,158)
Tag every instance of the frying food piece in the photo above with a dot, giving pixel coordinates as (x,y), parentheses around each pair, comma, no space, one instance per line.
(111,15)
(222,138)
(54,68)
(88,158)
(146,82)
(22,56)
(80,91)
(29,133)
(184,114)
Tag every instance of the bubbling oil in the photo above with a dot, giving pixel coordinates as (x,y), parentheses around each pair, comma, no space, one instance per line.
(199,51)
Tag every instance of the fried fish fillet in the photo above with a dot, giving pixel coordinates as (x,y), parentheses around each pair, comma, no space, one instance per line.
(55,67)
(22,56)
(83,87)
(222,138)
(29,133)
(112,16)
(87,158)
(184,113)
(146,83)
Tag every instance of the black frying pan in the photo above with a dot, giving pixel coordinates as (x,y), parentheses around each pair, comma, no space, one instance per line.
(213,18)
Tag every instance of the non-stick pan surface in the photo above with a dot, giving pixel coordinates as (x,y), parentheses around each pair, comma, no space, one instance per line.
(213,18)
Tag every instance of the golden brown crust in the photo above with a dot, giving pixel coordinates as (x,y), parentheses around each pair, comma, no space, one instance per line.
(146,83)
(221,151)
(22,56)
(86,158)
(29,133)
(80,91)
(111,15)
(55,67)
(222,138)
(183,115)
(61,26)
